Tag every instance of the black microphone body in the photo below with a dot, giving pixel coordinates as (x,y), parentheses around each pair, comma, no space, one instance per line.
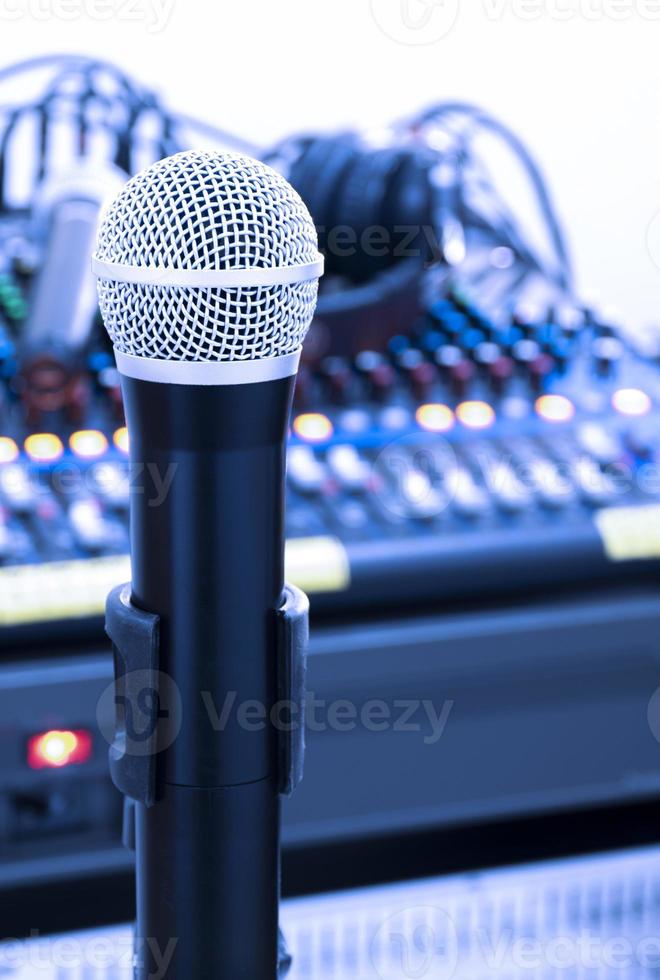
(208,268)
(208,558)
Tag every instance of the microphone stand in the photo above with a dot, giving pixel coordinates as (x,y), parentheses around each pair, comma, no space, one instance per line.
(134,636)
(206,615)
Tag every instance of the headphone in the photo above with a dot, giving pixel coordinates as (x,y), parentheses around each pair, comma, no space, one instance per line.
(373,207)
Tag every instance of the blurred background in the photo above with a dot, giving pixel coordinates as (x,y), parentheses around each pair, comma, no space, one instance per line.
(473,495)
(578,81)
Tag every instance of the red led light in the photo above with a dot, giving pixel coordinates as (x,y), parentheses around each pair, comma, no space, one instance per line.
(56,749)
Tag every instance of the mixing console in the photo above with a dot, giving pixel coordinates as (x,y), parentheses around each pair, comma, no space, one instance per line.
(587,918)
(473,506)
(468,455)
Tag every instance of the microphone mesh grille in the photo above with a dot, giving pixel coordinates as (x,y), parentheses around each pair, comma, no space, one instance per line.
(207,211)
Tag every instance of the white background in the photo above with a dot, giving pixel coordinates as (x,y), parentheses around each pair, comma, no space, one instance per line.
(579,80)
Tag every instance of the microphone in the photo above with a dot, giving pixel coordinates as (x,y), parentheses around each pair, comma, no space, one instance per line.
(207,268)
(66,213)
(64,305)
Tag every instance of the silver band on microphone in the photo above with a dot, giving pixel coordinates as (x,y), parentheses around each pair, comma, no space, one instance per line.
(152,275)
(208,372)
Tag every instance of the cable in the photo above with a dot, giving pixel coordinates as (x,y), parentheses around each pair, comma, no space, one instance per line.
(486,121)
(78,87)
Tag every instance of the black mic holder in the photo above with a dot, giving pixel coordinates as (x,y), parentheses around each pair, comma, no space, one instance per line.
(134,634)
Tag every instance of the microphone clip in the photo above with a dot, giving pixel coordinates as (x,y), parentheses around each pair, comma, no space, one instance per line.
(143,708)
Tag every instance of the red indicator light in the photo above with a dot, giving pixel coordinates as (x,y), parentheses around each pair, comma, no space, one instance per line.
(56,749)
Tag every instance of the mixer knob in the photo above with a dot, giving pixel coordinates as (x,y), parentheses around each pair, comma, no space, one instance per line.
(5,537)
(599,443)
(527,318)
(607,353)
(539,369)
(552,487)
(398,345)
(419,498)
(456,369)
(447,356)
(460,376)
(306,473)
(431,341)
(110,482)
(561,350)
(420,373)
(337,374)
(525,352)
(14,542)
(595,486)
(487,353)
(447,319)
(441,309)
(351,471)
(509,491)
(409,359)
(17,488)
(641,438)
(500,372)
(90,528)
(377,371)
(472,339)
(467,497)
(569,321)
(451,323)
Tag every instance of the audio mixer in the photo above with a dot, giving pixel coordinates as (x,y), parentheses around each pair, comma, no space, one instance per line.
(473,507)
(468,456)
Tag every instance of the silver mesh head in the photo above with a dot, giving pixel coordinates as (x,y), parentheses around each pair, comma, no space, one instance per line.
(207,211)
